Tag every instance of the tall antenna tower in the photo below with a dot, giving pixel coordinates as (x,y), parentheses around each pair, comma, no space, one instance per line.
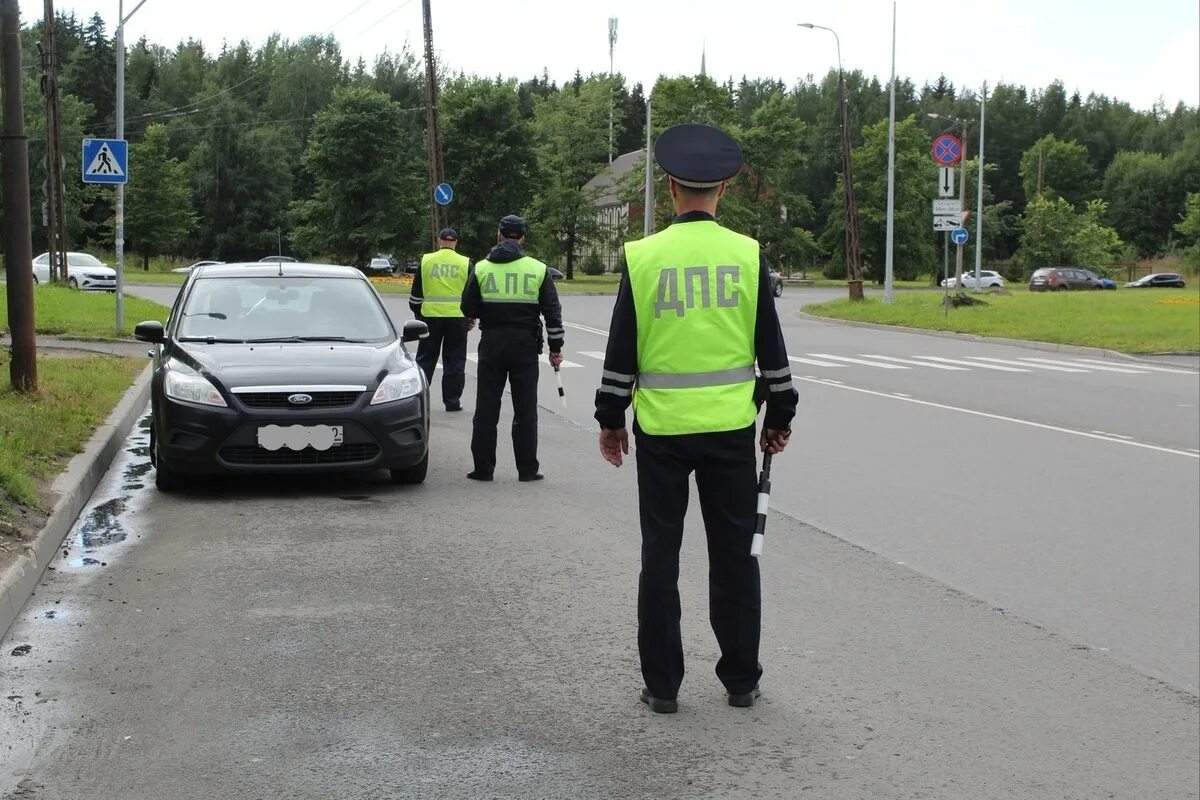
(612,41)
(433,132)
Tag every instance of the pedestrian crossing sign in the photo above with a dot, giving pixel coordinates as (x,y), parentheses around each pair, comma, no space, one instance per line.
(105,161)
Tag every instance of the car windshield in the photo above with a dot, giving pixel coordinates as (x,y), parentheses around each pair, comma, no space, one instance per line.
(83,260)
(283,309)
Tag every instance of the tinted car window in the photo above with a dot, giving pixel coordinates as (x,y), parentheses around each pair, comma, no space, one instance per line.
(259,308)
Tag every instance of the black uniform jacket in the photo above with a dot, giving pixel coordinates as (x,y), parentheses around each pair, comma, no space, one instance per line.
(620,359)
(516,315)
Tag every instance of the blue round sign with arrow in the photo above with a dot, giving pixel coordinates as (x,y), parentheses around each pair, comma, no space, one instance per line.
(443,194)
(959,235)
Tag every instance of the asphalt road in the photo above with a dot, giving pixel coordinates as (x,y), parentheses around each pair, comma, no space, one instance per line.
(343,637)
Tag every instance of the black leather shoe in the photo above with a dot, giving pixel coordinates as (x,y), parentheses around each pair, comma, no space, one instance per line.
(454,406)
(537,476)
(745,700)
(659,705)
(479,476)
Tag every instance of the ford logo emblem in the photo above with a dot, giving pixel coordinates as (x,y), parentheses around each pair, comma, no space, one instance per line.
(300,399)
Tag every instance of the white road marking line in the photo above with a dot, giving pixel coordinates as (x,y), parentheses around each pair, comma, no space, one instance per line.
(596,354)
(1194,450)
(815,363)
(1101,367)
(857,361)
(917,363)
(585,328)
(901,394)
(1002,418)
(1117,435)
(972,364)
(566,363)
(472,357)
(1139,365)
(1026,364)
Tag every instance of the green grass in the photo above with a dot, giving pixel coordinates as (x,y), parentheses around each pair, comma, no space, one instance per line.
(60,311)
(40,431)
(1127,320)
(137,276)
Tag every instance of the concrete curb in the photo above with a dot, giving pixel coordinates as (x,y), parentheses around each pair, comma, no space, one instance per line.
(974,337)
(74,488)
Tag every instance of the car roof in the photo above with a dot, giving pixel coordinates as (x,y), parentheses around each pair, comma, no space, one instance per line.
(288,269)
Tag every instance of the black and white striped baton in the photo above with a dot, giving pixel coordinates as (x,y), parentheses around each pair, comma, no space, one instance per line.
(764,500)
(562,393)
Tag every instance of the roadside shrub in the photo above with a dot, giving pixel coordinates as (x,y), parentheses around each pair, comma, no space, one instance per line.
(593,265)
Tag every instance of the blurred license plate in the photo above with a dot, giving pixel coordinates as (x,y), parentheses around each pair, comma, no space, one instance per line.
(298,437)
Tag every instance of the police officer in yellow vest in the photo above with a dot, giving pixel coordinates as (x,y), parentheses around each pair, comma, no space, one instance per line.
(509,293)
(436,298)
(693,315)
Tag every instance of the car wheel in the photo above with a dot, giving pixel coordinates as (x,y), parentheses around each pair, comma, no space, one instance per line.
(165,478)
(778,290)
(414,474)
(74,284)
(1098,286)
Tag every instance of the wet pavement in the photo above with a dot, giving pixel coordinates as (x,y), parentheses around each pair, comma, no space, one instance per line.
(340,637)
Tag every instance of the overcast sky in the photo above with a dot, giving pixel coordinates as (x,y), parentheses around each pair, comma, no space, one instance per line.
(1139,52)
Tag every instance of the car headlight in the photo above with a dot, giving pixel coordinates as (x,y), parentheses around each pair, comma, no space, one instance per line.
(183,383)
(398,386)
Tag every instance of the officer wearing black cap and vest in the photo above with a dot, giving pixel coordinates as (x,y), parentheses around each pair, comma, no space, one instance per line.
(436,299)
(509,292)
(693,314)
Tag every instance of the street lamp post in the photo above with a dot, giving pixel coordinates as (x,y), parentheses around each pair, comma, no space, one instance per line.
(119,242)
(853,267)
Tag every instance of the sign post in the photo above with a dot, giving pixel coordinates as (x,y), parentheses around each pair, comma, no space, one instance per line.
(107,161)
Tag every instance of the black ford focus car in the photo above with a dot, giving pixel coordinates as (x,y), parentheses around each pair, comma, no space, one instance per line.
(266,368)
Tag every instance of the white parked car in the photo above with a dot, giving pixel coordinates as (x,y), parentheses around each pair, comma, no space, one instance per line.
(988,278)
(83,272)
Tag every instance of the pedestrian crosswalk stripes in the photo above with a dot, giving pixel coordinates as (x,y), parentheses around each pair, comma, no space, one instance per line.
(1026,364)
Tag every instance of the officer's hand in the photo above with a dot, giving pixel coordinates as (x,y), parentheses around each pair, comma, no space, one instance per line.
(555,360)
(470,324)
(613,445)
(773,441)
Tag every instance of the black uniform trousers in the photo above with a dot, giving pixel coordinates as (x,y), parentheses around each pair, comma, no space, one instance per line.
(726,477)
(447,336)
(507,355)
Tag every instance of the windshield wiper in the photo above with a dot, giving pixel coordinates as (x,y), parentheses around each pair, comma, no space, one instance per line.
(210,340)
(304,339)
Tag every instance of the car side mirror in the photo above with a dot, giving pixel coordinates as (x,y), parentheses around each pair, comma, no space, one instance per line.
(414,329)
(149,332)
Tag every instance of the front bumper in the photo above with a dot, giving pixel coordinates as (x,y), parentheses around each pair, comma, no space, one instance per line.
(209,440)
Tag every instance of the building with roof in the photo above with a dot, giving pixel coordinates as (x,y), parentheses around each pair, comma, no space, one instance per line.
(612,210)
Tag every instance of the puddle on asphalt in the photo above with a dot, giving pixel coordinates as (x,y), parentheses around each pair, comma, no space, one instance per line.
(106,520)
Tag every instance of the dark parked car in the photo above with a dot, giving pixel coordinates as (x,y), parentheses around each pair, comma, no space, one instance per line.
(776,283)
(412,266)
(1059,279)
(1168,279)
(1105,283)
(555,274)
(284,368)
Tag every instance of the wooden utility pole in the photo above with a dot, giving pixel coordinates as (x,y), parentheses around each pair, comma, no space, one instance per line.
(54,216)
(14,168)
(433,131)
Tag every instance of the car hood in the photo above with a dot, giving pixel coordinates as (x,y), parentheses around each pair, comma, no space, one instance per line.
(107,272)
(307,363)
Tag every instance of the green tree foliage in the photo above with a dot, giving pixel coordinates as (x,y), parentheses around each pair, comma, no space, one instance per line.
(914,188)
(1188,229)
(1046,233)
(158,205)
(1094,244)
(1059,169)
(1138,189)
(489,157)
(366,183)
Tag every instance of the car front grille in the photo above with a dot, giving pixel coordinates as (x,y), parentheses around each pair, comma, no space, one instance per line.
(342,454)
(280,399)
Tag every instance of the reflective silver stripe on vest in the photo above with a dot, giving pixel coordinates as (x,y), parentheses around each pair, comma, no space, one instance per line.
(618,391)
(786,372)
(443,299)
(617,376)
(782,387)
(694,380)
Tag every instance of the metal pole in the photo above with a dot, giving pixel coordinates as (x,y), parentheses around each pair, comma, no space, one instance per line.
(962,196)
(18,245)
(946,273)
(891,192)
(119,242)
(612,40)
(979,194)
(648,214)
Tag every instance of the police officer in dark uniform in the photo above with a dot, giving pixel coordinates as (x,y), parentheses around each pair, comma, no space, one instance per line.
(694,313)
(509,292)
(436,299)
